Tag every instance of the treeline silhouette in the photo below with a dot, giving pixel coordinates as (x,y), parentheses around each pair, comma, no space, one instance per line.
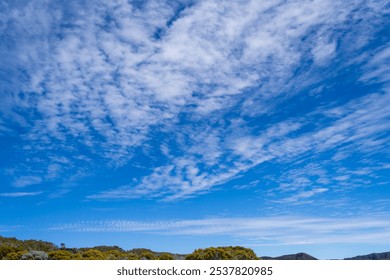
(14,249)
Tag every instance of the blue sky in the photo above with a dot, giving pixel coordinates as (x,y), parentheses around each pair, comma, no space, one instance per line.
(175,125)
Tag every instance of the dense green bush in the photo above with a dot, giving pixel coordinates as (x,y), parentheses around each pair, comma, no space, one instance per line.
(132,256)
(115,255)
(108,248)
(92,254)
(15,255)
(148,256)
(61,255)
(166,256)
(5,250)
(223,253)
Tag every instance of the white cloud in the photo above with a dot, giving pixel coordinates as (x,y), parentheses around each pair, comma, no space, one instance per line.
(104,81)
(305,194)
(377,69)
(265,230)
(20,194)
(25,181)
(323,52)
(119,81)
(4,129)
(359,122)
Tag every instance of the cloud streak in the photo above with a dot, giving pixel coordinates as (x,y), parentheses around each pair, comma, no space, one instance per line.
(20,194)
(284,230)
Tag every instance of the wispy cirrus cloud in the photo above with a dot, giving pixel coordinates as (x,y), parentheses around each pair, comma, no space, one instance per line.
(20,194)
(359,124)
(203,77)
(266,230)
(133,81)
(27,181)
(7,228)
(377,69)
(4,129)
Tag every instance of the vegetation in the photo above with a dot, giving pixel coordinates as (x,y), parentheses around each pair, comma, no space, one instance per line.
(61,255)
(166,256)
(35,255)
(14,249)
(223,253)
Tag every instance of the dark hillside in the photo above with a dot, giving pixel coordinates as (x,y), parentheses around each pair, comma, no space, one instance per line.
(373,256)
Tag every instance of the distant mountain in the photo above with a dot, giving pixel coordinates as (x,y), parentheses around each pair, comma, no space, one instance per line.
(373,256)
(304,256)
(298,256)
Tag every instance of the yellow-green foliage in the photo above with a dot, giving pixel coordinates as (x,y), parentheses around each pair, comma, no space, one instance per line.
(92,254)
(5,250)
(14,249)
(15,255)
(223,253)
(147,256)
(132,256)
(115,255)
(38,245)
(27,245)
(61,255)
(108,248)
(166,256)
(77,256)
(11,251)
(143,254)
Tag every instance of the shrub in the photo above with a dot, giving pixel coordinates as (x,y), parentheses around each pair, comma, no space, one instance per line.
(15,255)
(166,256)
(35,255)
(132,256)
(223,253)
(105,249)
(5,250)
(115,255)
(147,256)
(92,254)
(61,255)
(38,245)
